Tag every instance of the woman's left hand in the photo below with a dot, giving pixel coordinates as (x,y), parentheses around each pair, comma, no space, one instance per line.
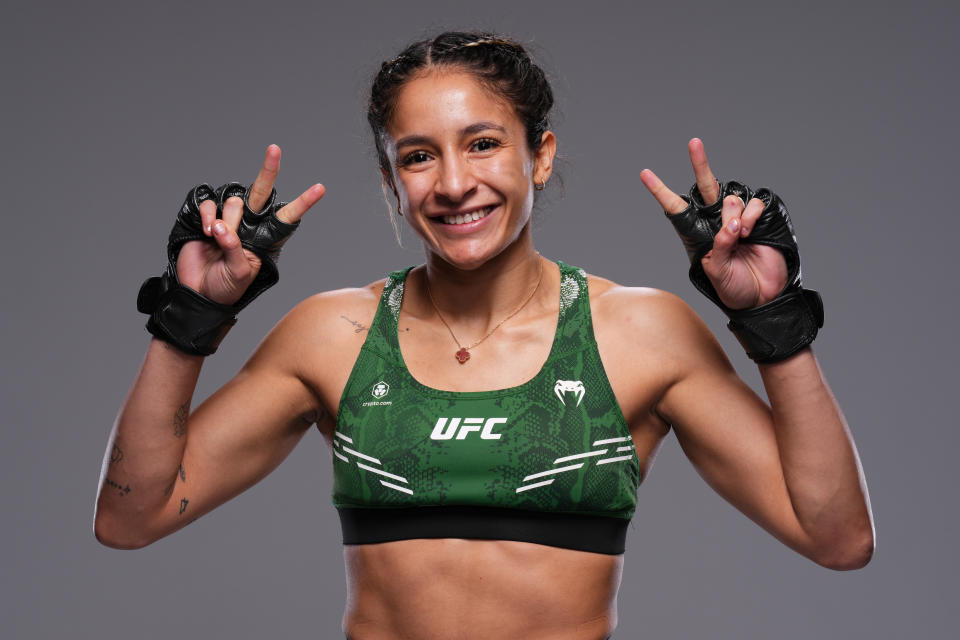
(744,274)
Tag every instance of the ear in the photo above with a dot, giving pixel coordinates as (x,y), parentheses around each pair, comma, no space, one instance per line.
(543,157)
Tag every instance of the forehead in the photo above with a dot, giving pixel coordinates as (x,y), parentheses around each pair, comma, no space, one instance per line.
(441,100)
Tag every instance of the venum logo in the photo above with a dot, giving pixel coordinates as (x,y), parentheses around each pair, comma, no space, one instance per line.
(462,427)
(575,386)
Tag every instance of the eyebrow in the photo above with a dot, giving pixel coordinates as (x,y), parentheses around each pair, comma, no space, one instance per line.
(469,130)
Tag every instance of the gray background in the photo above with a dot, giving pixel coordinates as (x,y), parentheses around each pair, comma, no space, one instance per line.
(112,111)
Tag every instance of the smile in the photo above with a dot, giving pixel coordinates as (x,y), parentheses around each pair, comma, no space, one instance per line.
(464,218)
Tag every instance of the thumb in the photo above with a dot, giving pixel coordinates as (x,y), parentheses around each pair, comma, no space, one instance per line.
(234,259)
(725,241)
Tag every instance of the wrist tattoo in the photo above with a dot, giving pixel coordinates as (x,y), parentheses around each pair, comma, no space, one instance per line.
(183,475)
(180,420)
(116,454)
(183,505)
(357,326)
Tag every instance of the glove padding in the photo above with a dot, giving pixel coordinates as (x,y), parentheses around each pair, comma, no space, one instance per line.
(185,318)
(779,328)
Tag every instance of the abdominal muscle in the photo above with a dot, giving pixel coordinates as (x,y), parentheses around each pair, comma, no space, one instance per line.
(464,589)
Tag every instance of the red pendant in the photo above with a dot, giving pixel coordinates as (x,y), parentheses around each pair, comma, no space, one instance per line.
(463,355)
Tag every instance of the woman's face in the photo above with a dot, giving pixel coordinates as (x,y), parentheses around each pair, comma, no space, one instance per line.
(463,172)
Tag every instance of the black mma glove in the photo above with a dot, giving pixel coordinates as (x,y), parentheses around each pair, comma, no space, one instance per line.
(185,318)
(781,327)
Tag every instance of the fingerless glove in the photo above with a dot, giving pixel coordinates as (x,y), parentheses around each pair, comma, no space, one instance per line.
(185,318)
(781,327)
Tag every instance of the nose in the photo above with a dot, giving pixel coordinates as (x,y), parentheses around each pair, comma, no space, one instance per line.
(456,179)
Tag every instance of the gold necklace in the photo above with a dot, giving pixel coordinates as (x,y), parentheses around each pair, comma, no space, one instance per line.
(464,352)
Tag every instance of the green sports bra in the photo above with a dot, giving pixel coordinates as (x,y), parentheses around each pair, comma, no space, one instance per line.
(549,461)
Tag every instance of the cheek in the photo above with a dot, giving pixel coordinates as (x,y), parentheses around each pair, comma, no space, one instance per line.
(508,175)
(411,189)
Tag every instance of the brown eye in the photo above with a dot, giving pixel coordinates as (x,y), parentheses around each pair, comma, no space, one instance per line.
(485,144)
(416,158)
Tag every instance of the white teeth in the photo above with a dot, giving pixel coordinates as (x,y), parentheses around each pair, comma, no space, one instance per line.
(461,218)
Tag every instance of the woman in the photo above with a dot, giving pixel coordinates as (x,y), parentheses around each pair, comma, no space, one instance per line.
(490,412)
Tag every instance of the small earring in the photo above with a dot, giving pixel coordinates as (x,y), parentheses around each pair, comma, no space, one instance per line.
(540,186)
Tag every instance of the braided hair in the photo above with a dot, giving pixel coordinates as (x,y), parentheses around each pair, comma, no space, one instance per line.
(501,65)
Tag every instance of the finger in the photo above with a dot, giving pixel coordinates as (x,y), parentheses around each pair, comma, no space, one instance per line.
(232,212)
(671,202)
(233,256)
(706,181)
(263,185)
(293,211)
(750,215)
(208,215)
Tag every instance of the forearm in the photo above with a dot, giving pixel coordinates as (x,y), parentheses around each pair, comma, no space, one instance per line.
(820,463)
(146,446)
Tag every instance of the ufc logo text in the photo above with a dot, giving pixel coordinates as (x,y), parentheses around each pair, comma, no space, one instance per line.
(447,427)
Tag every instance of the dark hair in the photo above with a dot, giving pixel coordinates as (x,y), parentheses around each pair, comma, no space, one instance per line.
(502,65)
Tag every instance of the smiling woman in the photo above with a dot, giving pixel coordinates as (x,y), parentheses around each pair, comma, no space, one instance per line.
(485,495)
(460,167)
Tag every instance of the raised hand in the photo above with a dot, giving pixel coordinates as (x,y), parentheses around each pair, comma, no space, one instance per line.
(743,274)
(224,269)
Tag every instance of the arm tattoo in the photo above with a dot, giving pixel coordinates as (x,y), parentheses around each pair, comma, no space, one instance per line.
(183,475)
(180,420)
(183,505)
(116,454)
(122,490)
(357,326)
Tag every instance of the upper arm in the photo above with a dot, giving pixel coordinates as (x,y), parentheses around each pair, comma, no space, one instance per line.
(686,381)
(244,430)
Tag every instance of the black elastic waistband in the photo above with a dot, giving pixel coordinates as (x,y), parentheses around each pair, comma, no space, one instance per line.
(597,534)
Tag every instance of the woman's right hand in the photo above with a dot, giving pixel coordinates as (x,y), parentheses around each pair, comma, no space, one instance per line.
(222,270)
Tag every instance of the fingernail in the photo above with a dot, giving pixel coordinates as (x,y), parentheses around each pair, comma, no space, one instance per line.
(207,230)
(219,229)
(744,231)
(733,225)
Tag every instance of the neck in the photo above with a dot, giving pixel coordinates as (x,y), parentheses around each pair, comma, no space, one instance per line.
(478,298)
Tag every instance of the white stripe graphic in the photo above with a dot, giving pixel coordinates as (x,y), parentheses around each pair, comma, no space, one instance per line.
(577,456)
(617,459)
(552,471)
(341,456)
(629,447)
(393,486)
(340,435)
(610,441)
(535,485)
(381,472)
(361,455)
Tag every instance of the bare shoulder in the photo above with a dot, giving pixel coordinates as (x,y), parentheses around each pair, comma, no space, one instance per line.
(319,339)
(331,316)
(648,325)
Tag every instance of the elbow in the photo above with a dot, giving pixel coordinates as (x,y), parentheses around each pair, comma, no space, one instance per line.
(116,537)
(851,555)
(118,542)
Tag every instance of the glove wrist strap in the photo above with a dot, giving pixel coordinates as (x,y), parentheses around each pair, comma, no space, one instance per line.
(184,318)
(780,328)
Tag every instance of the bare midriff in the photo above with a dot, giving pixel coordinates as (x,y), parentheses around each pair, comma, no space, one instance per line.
(483,589)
